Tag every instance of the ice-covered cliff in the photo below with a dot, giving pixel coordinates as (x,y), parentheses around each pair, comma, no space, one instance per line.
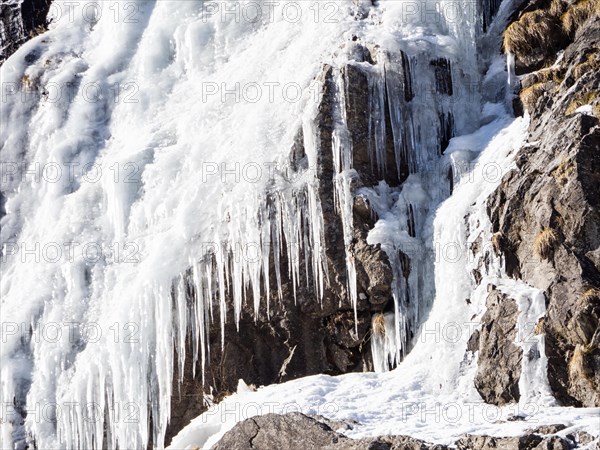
(197,192)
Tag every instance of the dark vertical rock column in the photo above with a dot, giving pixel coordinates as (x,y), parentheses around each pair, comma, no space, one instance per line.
(18,21)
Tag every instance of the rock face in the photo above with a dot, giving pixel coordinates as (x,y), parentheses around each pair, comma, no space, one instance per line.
(296,431)
(279,431)
(526,442)
(18,20)
(499,362)
(546,213)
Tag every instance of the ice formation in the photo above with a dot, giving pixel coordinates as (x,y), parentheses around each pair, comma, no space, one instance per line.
(431,394)
(145,167)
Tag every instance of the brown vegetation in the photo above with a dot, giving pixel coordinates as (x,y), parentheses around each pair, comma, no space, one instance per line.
(379,324)
(544,243)
(591,296)
(534,31)
(529,96)
(578,13)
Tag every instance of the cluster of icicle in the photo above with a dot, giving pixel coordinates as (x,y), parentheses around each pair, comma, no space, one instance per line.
(182,287)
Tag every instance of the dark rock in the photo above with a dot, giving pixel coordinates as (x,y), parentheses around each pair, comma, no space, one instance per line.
(443,76)
(525,442)
(473,342)
(499,361)
(360,112)
(548,429)
(386,443)
(19,21)
(489,10)
(556,188)
(581,438)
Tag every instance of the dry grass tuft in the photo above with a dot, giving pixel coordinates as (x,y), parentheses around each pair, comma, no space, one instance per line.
(539,327)
(529,96)
(548,75)
(497,239)
(557,7)
(591,65)
(533,31)
(40,29)
(553,76)
(544,243)
(564,170)
(378,325)
(578,368)
(578,14)
(591,296)
(27,83)
(587,98)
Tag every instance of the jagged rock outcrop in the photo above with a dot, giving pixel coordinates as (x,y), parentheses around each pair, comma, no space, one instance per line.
(499,362)
(296,431)
(525,442)
(19,19)
(547,212)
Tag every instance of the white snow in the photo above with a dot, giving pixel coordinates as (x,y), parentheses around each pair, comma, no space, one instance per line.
(585,109)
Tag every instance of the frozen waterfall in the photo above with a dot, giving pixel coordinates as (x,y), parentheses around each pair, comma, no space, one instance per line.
(147,186)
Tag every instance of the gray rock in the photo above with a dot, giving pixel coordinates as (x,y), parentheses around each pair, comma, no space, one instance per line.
(293,431)
(499,361)
(525,442)
(555,188)
(548,429)
(296,431)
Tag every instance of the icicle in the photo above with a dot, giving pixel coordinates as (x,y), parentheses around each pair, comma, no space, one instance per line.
(177,202)
(510,69)
(182,321)
(533,382)
(343,197)
(376,125)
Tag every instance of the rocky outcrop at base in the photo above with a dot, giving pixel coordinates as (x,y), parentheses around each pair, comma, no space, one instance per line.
(296,431)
